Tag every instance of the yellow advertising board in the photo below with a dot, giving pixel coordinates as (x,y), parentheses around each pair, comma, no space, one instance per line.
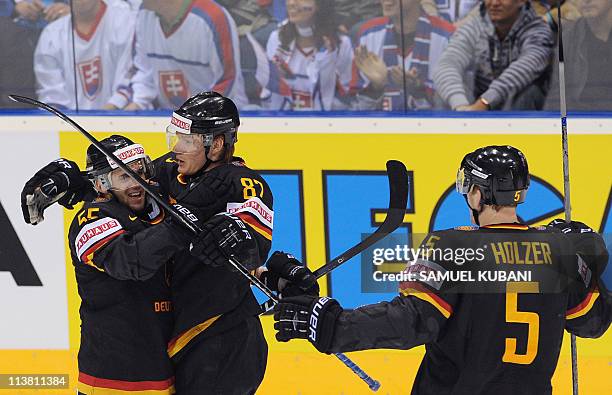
(307,167)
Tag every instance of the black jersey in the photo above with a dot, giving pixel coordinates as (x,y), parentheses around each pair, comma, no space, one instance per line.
(119,260)
(207,299)
(492,323)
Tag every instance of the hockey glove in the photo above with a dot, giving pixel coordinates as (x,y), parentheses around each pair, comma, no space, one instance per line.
(307,317)
(289,276)
(225,235)
(588,243)
(60,181)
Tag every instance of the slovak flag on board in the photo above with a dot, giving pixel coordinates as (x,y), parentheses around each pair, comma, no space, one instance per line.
(90,72)
(175,87)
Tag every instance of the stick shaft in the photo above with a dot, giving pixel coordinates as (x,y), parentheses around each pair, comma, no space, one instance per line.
(566,177)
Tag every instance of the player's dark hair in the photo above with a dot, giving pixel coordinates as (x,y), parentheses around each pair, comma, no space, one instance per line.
(325,25)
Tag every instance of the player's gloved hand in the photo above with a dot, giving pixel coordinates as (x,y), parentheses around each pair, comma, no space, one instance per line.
(289,276)
(307,317)
(222,236)
(60,181)
(588,243)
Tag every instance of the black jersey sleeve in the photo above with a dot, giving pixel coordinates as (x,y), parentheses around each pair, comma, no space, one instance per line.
(402,323)
(427,273)
(417,316)
(100,240)
(589,310)
(252,202)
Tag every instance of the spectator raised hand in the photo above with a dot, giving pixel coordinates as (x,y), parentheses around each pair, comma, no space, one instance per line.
(372,67)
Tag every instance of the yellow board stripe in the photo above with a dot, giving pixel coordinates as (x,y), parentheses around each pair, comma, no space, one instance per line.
(186,337)
(586,308)
(427,298)
(91,390)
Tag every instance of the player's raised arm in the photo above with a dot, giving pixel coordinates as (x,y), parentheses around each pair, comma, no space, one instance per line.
(60,181)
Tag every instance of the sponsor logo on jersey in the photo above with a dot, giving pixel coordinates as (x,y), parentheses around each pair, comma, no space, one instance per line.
(127,154)
(301,99)
(94,232)
(174,86)
(90,72)
(255,207)
(420,270)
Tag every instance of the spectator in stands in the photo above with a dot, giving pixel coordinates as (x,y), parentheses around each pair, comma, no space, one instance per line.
(392,72)
(508,50)
(6,8)
(35,14)
(183,47)
(17,47)
(103,31)
(255,23)
(547,9)
(453,11)
(311,60)
(587,48)
(354,12)
(252,16)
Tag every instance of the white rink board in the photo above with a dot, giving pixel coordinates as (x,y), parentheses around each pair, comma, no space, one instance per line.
(33,317)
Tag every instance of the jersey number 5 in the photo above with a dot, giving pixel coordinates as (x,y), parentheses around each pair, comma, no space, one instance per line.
(533,333)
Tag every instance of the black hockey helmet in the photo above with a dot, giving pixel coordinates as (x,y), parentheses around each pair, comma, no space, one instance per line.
(99,166)
(208,114)
(500,172)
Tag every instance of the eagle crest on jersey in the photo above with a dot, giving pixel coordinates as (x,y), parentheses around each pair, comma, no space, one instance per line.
(175,87)
(90,72)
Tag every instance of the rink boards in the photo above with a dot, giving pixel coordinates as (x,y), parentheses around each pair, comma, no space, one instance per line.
(329,188)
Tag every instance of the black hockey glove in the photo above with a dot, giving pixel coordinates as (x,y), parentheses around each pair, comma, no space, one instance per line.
(222,236)
(588,243)
(307,317)
(289,276)
(60,181)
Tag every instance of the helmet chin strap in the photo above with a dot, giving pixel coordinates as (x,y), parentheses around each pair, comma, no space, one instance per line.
(475,213)
(210,161)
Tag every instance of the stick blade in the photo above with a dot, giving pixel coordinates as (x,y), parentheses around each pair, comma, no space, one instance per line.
(20,99)
(398,192)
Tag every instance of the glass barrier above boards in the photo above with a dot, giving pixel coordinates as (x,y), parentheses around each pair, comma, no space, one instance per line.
(395,56)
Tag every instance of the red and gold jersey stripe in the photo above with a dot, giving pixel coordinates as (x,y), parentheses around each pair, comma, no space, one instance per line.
(256,225)
(422,293)
(179,342)
(584,307)
(94,385)
(87,257)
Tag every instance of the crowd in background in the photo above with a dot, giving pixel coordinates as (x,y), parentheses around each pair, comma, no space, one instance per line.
(377,55)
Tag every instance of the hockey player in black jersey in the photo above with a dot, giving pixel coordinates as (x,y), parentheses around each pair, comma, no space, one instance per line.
(217,345)
(481,337)
(120,244)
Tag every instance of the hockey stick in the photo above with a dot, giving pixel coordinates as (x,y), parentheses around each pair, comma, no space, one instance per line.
(373,384)
(398,198)
(566,179)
